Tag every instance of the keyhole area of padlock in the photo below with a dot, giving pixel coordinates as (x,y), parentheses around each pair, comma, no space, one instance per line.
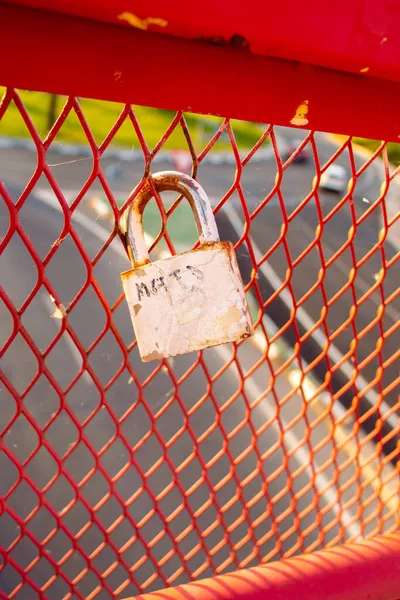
(178,221)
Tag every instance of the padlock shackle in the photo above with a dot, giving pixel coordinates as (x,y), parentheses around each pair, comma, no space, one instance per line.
(177,182)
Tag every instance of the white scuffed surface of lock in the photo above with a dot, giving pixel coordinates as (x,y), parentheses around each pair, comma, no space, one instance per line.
(187,302)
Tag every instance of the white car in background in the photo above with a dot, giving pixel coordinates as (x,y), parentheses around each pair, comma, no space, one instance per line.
(334,179)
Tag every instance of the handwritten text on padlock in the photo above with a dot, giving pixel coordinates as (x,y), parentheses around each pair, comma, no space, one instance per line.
(179,275)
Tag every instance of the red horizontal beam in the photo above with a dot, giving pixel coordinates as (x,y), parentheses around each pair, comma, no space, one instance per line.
(69,55)
(339,35)
(368,570)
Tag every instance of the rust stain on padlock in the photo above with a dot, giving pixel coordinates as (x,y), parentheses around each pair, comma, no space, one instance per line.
(136,308)
(170,182)
(153,356)
(231,316)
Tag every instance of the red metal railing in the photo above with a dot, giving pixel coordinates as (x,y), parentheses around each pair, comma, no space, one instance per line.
(119,478)
(363,570)
(212,462)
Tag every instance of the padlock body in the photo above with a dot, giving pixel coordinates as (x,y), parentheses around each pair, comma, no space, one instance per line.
(187,302)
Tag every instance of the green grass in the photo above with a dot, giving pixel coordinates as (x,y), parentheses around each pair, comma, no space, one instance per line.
(180,225)
(102,115)
(393,149)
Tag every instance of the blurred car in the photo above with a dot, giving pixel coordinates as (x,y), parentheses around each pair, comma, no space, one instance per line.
(334,179)
(291,147)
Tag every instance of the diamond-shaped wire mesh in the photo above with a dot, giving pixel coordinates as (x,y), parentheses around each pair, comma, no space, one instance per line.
(118,476)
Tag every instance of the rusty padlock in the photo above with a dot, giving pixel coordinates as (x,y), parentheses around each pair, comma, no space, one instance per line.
(189,301)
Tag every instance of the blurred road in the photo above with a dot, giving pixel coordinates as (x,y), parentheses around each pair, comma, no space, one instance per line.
(116,418)
(301,234)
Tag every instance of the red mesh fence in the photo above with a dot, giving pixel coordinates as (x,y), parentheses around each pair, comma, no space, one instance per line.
(119,477)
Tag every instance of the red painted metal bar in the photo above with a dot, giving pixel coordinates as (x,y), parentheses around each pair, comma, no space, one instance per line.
(98,60)
(367,570)
(342,35)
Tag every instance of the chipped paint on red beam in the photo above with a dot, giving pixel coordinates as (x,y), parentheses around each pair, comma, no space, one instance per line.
(70,55)
(348,36)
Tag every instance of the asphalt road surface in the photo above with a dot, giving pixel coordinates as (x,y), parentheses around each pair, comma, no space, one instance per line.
(116,418)
(301,234)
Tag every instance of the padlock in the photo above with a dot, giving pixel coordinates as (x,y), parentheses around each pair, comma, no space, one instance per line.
(189,301)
